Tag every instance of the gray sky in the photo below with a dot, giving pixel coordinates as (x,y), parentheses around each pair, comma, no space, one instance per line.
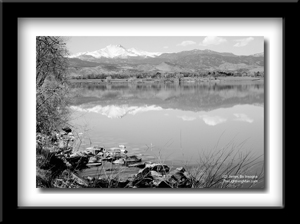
(238,45)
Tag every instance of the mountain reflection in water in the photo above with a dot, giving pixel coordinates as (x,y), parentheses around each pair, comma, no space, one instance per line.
(178,120)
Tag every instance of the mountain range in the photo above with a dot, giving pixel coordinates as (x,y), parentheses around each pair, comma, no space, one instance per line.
(116,59)
(115,51)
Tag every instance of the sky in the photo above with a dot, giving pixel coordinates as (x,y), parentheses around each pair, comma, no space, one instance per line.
(238,45)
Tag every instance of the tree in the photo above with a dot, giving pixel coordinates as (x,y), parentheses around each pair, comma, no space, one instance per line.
(51,76)
(51,59)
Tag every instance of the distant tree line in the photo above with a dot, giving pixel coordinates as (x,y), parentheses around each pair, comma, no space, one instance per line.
(158,75)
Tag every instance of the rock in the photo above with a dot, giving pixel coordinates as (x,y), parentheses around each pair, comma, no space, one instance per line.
(155,174)
(118,155)
(93,159)
(109,154)
(61,144)
(68,164)
(78,162)
(77,154)
(108,159)
(79,180)
(119,161)
(70,134)
(143,181)
(180,169)
(132,159)
(124,151)
(96,149)
(152,171)
(67,129)
(179,178)
(161,168)
(62,133)
(90,178)
(88,153)
(138,165)
(122,146)
(100,154)
(93,164)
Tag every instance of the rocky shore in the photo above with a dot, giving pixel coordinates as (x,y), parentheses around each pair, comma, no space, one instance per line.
(65,165)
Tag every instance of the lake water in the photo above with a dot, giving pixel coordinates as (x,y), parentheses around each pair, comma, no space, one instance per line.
(175,123)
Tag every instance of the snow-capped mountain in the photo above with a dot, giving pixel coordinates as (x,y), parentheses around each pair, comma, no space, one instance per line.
(116,51)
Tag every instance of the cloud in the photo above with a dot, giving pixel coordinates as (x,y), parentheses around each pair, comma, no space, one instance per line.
(187,118)
(212,40)
(166,47)
(113,111)
(243,117)
(213,120)
(186,43)
(243,42)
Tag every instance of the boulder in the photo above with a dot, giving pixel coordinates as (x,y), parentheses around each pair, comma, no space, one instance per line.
(88,153)
(79,180)
(155,174)
(78,162)
(179,178)
(94,164)
(62,133)
(90,178)
(96,149)
(67,129)
(117,155)
(132,159)
(93,159)
(138,165)
(100,154)
(142,181)
(119,161)
(124,151)
(158,167)
(77,154)
(62,144)
(108,159)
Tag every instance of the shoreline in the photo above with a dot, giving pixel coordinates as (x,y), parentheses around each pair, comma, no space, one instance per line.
(98,167)
(170,80)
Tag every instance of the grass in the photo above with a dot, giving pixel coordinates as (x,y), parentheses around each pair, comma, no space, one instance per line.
(227,167)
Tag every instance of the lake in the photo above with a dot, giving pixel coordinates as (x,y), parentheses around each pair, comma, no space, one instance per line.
(175,123)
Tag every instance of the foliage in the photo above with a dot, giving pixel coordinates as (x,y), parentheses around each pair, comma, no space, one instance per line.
(51,77)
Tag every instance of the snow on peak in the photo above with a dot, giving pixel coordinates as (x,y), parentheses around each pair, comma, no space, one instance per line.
(117,51)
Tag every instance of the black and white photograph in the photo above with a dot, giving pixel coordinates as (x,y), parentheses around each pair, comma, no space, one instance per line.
(150,112)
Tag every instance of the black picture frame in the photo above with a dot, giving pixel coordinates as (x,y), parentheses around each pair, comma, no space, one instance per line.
(12,10)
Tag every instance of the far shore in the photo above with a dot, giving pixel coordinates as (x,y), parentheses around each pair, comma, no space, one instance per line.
(175,80)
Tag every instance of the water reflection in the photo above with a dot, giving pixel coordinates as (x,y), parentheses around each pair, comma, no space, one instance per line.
(192,97)
(209,120)
(178,121)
